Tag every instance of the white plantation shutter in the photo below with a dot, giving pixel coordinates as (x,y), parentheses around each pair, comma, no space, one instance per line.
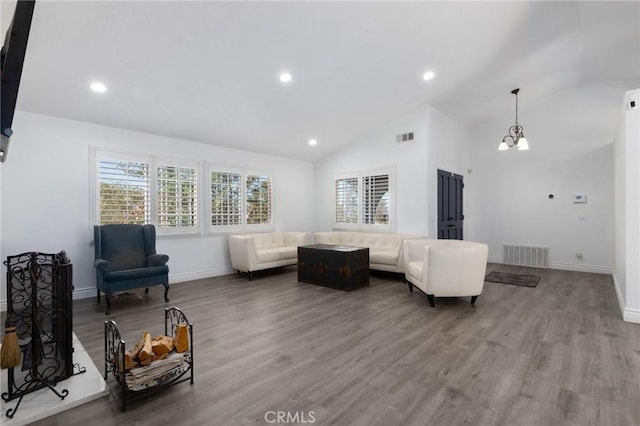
(258,199)
(177,205)
(139,189)
(226,198)
(375,199)
(124,191)
(364,201)
(347,200)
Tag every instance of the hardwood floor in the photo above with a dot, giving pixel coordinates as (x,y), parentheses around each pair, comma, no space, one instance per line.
(557,354)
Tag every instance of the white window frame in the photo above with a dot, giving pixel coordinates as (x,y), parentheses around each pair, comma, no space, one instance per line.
(243,226)
(360,225)
(153,162)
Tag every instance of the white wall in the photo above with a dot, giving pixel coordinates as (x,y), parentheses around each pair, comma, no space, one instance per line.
(438,143)
(626,271)
(46,194)
(570,135)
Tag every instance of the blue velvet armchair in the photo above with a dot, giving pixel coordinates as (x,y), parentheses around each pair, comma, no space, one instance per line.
(126,259)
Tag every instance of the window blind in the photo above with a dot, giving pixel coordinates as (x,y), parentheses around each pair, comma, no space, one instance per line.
(125,192)
(347,200)
(177,196)
(375,199)
(226,198)
(258,199)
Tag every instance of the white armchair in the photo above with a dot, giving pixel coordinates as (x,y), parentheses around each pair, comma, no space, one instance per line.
(445,268)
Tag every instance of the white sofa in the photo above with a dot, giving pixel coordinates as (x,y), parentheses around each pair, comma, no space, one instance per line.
(385,250)
(445,268)
(255,252)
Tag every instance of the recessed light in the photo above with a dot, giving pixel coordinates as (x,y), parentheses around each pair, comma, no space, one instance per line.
(285,77)
(428,75)
(98,87)
(312,142)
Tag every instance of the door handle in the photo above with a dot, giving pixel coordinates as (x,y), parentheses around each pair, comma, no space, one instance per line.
(451,226)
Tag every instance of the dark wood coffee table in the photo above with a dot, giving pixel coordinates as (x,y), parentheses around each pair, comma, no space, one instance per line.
(339,267)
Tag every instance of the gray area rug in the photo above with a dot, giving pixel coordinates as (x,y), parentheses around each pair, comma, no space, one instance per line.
(513,279)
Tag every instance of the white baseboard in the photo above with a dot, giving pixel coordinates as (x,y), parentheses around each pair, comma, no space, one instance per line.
(84,293)
(628,314)
(631,315)
(616,286)
(594,269)
(191,276)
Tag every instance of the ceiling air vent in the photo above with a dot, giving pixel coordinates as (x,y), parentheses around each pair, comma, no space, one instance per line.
(405,137)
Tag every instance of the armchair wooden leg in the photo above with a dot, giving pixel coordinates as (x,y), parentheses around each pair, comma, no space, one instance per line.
(410,286)
(250,276)
(98,296)
(108,299)
(473,299)
(166,293)
(432,300)
(146,290)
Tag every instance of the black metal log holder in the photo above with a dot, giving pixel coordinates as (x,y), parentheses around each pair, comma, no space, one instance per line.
(114,358)
(39,303)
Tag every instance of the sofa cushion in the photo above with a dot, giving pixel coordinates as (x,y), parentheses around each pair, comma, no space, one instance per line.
(123,246)
(390,242)
(276,254)
(268,240)
(385,257)
(385,249)
(132,274)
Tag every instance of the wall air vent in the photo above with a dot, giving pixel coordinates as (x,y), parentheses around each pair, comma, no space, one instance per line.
(537,257)
(405,137)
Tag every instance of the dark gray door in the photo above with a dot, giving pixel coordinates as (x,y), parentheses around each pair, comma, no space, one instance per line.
(450,214)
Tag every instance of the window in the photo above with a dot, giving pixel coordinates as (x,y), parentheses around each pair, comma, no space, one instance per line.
(347,200)
(138,189)
(177,196)
(239,200)
(226,198)
(124,191)
(258,200)
(363,200)
(375,199)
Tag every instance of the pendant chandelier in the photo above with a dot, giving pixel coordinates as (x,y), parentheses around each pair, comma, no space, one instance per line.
(515,138)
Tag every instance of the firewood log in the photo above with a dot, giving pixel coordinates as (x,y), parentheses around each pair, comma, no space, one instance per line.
(182,338)
(146,350)
(129,361)
(147,360)
(136,348)
(162,345)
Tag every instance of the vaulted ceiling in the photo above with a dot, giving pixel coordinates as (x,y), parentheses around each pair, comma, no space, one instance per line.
(208,71)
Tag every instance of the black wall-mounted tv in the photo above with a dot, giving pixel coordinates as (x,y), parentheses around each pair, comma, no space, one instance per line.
(13,52)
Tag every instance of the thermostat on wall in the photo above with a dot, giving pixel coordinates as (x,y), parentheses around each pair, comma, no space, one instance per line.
(579,198)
